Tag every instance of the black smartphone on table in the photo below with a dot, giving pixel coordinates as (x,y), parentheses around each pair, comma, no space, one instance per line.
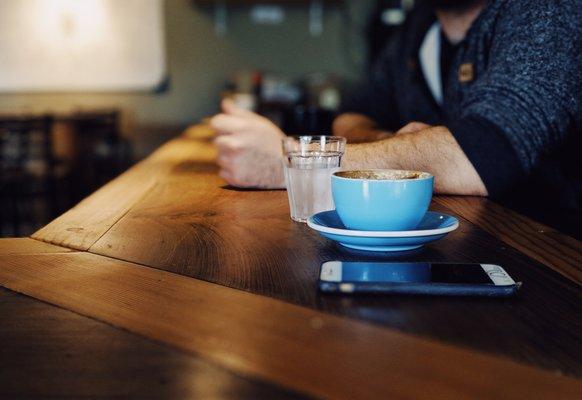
(416,278)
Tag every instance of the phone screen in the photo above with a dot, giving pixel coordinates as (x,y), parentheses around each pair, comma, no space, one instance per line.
(371,272)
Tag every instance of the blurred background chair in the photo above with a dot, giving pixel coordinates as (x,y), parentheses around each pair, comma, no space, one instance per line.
(39,182)
(28,179)
(100,151)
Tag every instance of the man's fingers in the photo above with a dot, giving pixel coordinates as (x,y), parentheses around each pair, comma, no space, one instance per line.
(230,178)
(226,175)
(225,162)
(229,107)
(226,124)
(228,144)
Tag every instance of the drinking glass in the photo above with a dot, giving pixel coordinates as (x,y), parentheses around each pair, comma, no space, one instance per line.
(309,162)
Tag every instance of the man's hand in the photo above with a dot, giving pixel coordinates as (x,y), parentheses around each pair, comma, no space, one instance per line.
(249,148)
(357,128)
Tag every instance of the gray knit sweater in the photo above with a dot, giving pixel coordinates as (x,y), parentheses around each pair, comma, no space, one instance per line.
(513,101)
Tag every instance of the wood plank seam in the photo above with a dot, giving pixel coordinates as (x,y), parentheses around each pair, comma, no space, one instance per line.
(50,353)
(78,227)
(47,241)
(29,246)
(462,219)
(522,233)
(271,339)
(145,193)
(114,221)
(237,284)
(569,268)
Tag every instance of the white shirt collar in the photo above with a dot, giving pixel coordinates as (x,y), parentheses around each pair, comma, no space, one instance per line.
(429,55)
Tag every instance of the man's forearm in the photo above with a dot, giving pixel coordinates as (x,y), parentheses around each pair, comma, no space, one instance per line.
(433,150)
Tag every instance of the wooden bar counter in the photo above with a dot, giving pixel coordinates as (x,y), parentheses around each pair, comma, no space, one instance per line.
(167,283)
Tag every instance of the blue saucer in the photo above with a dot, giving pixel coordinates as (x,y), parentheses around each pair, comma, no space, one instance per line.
(434,226)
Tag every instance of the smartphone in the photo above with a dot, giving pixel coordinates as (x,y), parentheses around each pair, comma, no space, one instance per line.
(416,278)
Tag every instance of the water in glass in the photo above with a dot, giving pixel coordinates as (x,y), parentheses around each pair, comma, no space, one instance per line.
(308,170)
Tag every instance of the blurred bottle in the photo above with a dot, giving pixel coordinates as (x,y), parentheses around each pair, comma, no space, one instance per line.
(244,89)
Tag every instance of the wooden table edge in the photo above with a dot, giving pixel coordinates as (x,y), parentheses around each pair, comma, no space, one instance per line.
(98,280)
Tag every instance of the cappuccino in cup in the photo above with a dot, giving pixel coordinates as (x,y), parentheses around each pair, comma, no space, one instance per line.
(381,199)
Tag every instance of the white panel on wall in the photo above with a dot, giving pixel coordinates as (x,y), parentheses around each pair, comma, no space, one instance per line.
(81,45)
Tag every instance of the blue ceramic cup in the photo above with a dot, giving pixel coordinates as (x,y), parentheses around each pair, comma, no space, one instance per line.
(381,200)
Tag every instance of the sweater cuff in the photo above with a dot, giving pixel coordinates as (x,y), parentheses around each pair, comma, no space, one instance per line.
(490,152)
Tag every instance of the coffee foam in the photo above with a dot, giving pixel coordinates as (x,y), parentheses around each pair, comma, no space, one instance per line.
(388,174)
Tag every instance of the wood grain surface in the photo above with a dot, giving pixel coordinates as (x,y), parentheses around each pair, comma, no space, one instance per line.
(314,352)
(172,213)
(190,223)
(540,242)
(193,225)
(48,352)
(28,246)
(85,223)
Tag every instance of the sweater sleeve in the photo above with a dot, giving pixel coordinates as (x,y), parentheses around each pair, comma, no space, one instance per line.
(530,93)
(490,153)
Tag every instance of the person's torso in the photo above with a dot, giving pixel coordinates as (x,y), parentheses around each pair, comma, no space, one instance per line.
(552,192)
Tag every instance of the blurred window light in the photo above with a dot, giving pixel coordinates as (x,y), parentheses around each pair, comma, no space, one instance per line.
(81,45)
